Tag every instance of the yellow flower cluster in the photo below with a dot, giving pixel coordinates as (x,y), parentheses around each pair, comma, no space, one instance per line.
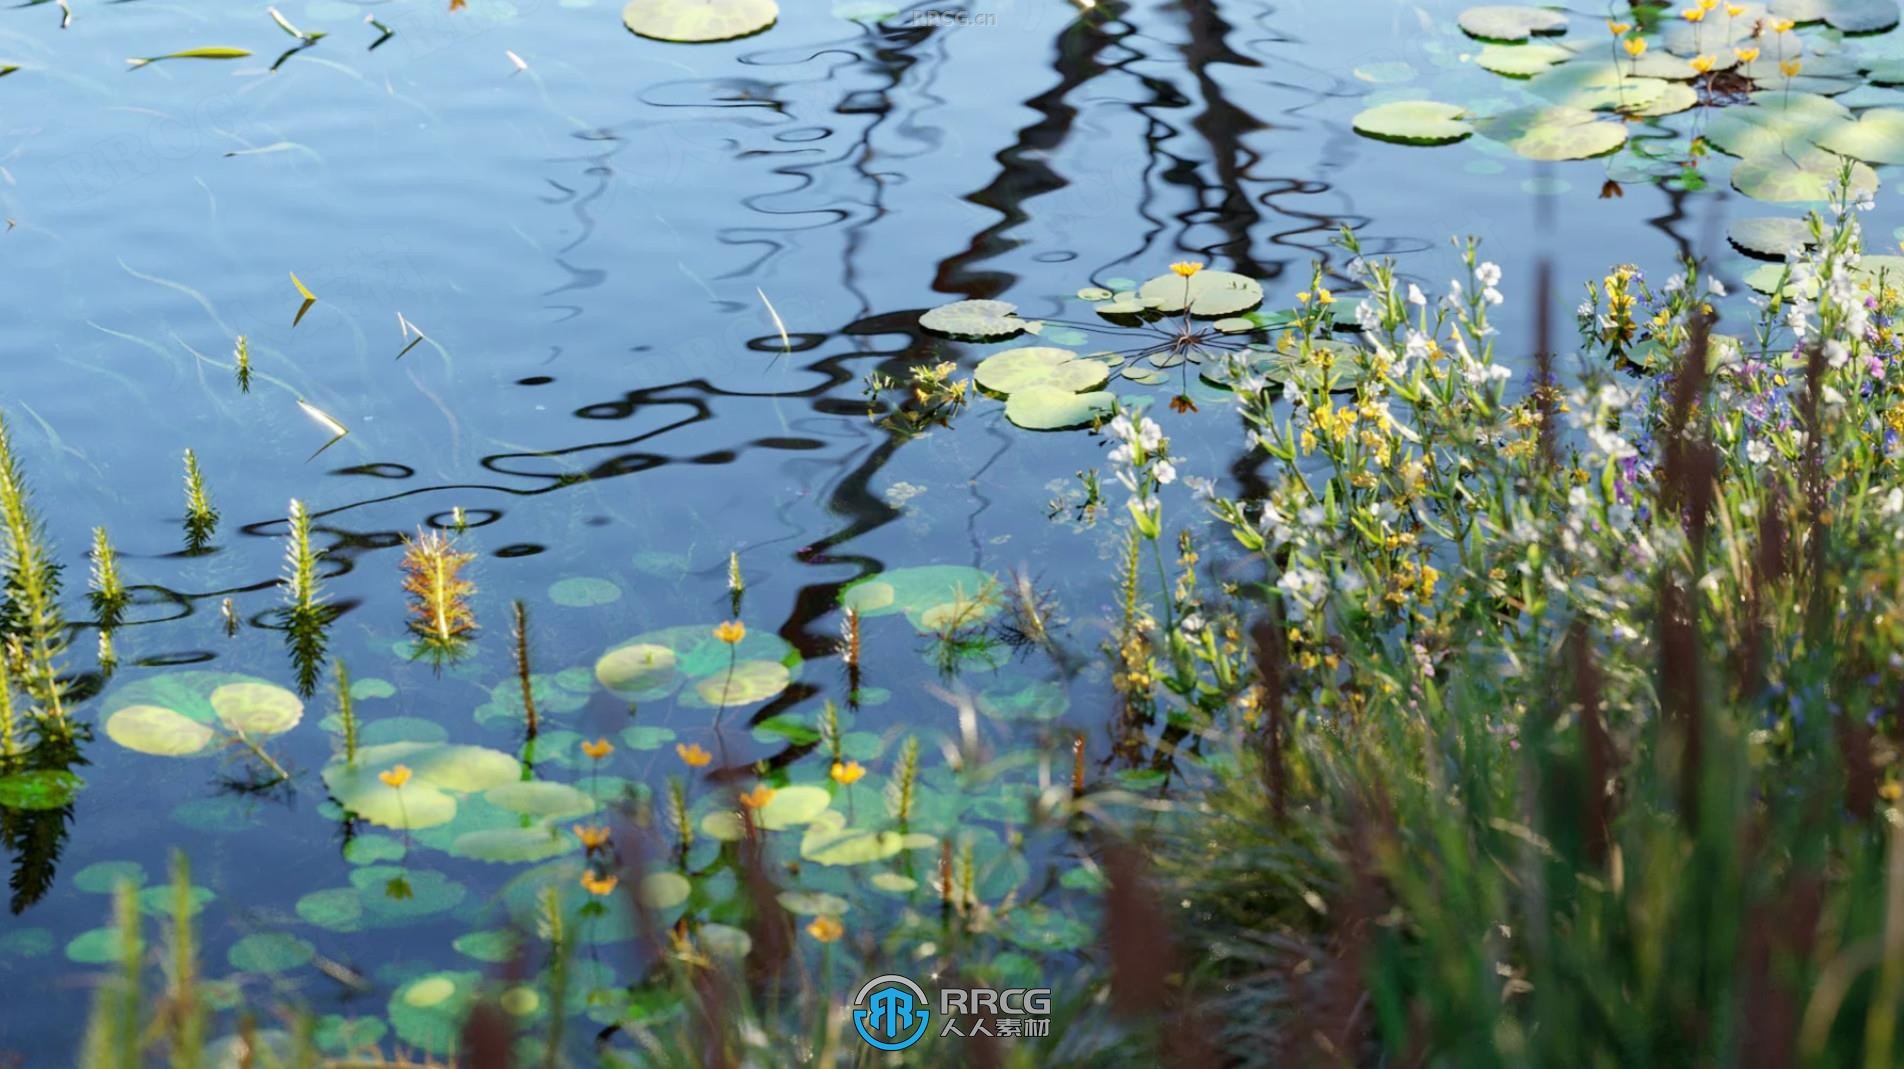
(1412,581)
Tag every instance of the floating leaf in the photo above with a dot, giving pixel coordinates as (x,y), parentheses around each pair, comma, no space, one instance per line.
(428,1012)
(1019,369)
(1094,293)
(1554,133)
(257,709)
(1807,175)
(974,319)
(538,843)
(40,789)
(1522,61)
(651,665)
(104,877)
(148,729)
(1596,86)
(664,890)
(828,841)
(541,799)
(439,772)
(1770,236)
(96,946)
(1048,408)
(1510,22)
(495,945)
(269,952)
(749,682)
(724,941)
(697,21)
(639,670)
(813,903)
(1850,16)
(583,592)
(918,590)
(336,909)
(1775,122)
(792,806)
(1211,293)
(1414,122)
(1875,136)
(1037,927)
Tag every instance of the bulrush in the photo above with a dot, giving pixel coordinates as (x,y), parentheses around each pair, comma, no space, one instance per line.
(440,615)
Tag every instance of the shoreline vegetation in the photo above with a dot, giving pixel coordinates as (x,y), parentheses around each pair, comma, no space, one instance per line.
(1514,719)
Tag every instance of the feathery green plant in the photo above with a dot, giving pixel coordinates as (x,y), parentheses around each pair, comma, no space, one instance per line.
(32,621)
(11,749)
(242,358)
(906,781)
(736,584)
(679,817)
(346,713)
(440,613)
(306,617)
(532,721)
(108,596)
(201,519)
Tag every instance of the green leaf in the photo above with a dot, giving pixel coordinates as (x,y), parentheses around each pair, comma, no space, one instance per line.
(1414,122)
(1770,236)
(974,319)
(697,21)
(1803,176)
(1048,408)
(1554,133)
(1522,61)
(1510,22)
(40,789)
(1210,293)
(270,953)
(213,52)
(1019,369)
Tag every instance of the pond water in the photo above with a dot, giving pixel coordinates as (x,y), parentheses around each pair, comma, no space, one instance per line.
(588,245)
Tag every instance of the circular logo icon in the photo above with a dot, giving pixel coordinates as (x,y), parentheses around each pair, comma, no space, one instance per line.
(891,1012)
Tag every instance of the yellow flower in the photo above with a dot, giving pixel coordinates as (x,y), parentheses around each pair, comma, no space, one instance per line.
(1746,55)
(1186,268)
(1735,10)
(1635,46)
(593,838)
(826,929)
(1790,67)
(731,632)
(758,797)
(1324,297)
(1891,792)
(1783,26)
(1618,28)
(599,885)
(598,749)
(847,774)
(1708,4)
(693,755)
(1303,297)
(1702,64)
(395,777)
(1693,14)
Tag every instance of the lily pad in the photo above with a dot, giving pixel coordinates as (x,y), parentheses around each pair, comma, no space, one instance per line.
(1775,122)
(725,941)
(974,319)
(813,903)
(537,843)
(699,21)
(1415,122)
(1211,293)
(257,709)
(582,592)
(1510,22)
(1048,408)
(494,945)
(149,729)
(1808,175)
(428,1012)
(792,806)
(829,841)
(1018,369)
(270,953)
(1875,136)
(918,590)
(172,715)
(439,773)
(1596,86)
(104,877)
(541,799)
(1850,16)
(664,890)
(1770,236)
(749,682)
(639,670)
(39,789)
(1554,133)
(652,665)
(1521,61)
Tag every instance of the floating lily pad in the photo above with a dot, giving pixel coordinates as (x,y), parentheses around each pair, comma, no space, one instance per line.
(664,890)
(974,319)
(397,895)
(792,806)
(537,843)
(1875,136)
(336,909)
(829,841)
(1146,376)
(96,946)
(1775,122)
(428,1012)
(1850,16)
(699,21)
(257,709)
(1510,22)
(39,789)
(749,682)
(1211,293)
(541,799)
(1521,61)
(650,666)
(1554,133)
(1094,293)
(172,715)
(919,590)
(495,945)
(1037,927)
(149,729)
(639,670)
(439,773)
(104,877)
(1048,408)
(1770,236)
(582,592)
(374,849)
(1036,701)
(1596,86)
(1675,99)
(813,903)
(1807,175)
(270,953)
(1019,369)
(162,900)
(1414,122)
(725,941)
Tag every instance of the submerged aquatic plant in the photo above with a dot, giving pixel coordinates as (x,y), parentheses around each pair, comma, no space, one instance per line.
(346,714)
(31,623)
(201,519)
(440,614)
(306,616)
(532,723)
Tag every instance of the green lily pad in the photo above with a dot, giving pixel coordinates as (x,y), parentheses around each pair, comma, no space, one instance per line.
(1414,122)
(96,946)
(162,900)
(1875,136)
(749,682)
(495,945)
(135,714)
(699,21)
(1037,701)
(582,592)
(1215,294)
(270,952)
(813,903)
(725,941)
(39,789)
(428,1012)
(1037,927)
(537,843)
(541,799)
(664,890)
(1775,122)
(1596,86)
(792,806)
(1019,369)
(1850,16)
(1554,133)
(150,729)
(1675,99)
(1048,408)
(337,1034)
(27,943)
(393,895)
(974,319)
(918,590)
(1145,376)
(650,666)
(335,909)
(1521,61)
(1094,293)
(1770,236)
(374,850)
(104,877)
(638,671)
(1807,175)
(257,709)
(439,773)
(829,841)
(1510,22)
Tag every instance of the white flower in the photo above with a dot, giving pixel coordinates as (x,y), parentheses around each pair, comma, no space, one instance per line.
(1201,488)
(1893,502)
(1488,274)
(1417,347)
(1585,311)
(1149,435)
(1416,297)
(1675,283)
(1714,287)
(1166,474)
(1311,516)
(1120,455)
(1491,295)
(1367,317)
(1837,355)
(1758,452)
(1191,624)
(1121,428)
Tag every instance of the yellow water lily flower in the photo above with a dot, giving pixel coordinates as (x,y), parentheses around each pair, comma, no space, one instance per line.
(1735,10)
(1635,46)
(1693,14)
(826,929)
(693,754)
(1186,268)
(1746,55)
(598,749)
(758,797)
(1790,67)
(730,632)
(1783,26)
(1618,28)
(593,837)
(847,773)
(396,777)
(1702,64)
(599,885)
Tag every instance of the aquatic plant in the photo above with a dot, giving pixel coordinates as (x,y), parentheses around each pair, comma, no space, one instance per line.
(532,723)
(440,614)
(241,363)
(201,519)
(736,584)
(31,623)
(306,617)
(699,21)
(108,595)
(346,713)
